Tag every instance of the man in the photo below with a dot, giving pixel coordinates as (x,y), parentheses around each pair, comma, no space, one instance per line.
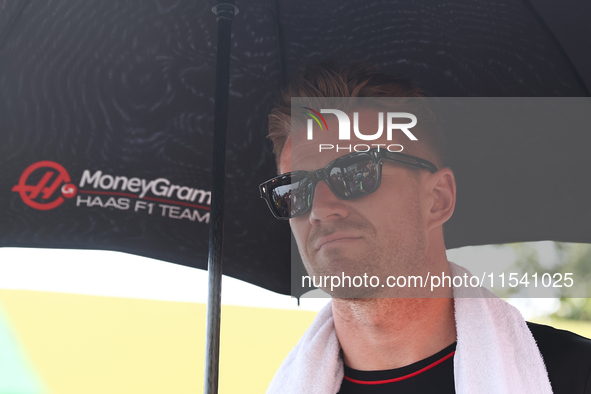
(376,339)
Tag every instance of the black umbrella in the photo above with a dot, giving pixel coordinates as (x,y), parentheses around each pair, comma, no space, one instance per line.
(121,97)
(106,115)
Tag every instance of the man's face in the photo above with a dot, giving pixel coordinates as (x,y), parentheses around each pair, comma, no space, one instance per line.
(381,234)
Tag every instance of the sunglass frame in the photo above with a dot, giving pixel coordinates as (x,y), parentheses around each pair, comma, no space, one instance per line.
(323,174)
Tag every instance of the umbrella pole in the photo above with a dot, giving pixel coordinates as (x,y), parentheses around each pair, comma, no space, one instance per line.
(225,11)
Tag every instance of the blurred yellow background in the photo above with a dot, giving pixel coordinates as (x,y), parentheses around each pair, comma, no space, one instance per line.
(91,344)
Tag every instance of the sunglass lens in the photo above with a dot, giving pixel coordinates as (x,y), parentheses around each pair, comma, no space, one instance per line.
(292,198)
(354,178)
(280,195)
(301,195)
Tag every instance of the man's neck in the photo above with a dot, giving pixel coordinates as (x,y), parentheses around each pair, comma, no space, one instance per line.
(388,333)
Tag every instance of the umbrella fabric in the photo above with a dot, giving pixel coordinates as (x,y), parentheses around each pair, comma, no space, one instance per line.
(106,113)
(124,91)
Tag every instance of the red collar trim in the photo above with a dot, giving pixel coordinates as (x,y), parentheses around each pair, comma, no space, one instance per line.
(410,375)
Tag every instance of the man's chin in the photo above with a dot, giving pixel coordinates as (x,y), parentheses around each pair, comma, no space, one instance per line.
(355,293)
(337,262)
(376,292)
(357,284)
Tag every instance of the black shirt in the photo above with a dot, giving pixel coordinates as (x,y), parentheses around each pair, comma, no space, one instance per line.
(434,374)
(567,357)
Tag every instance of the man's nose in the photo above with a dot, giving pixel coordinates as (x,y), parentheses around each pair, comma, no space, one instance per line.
(327,207)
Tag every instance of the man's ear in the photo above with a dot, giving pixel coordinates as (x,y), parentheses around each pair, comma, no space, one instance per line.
(442,192)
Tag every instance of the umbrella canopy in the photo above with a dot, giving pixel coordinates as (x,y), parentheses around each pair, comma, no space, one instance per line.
(106,116)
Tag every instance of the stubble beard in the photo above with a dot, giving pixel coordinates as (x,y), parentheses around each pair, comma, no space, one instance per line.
(400,252)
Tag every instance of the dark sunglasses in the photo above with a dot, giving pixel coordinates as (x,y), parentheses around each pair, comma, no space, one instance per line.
(351,176)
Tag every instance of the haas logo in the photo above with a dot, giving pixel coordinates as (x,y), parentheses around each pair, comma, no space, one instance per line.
(53,184)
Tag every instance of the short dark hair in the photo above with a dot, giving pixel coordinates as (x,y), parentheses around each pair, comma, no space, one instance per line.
(329,79)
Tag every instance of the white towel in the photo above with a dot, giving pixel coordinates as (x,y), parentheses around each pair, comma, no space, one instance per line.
(495,353)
